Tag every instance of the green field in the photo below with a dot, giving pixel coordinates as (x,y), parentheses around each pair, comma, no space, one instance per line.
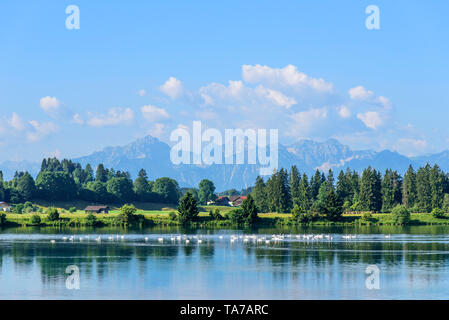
(158,214)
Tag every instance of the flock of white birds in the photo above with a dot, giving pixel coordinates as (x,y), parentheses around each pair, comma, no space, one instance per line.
(257,239)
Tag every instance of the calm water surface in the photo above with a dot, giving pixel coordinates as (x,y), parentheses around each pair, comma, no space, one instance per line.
(225,264)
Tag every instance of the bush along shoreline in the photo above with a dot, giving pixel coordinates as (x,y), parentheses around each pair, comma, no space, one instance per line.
(246,215)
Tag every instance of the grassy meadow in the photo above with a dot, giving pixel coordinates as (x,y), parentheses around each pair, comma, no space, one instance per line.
(159,214)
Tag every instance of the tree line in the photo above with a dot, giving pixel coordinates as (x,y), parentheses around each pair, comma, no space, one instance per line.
(419,191)
(65,181)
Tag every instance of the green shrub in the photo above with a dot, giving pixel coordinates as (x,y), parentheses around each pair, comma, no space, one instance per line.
(2,219)
(367,216)
(237,216)
(400,215)
(28,207)
(18,208)
(187,209)
(72,210)
(36,219)
(438,213)
(52,214)
(128,217)
(300,215)
(91,220)
(215,214)
(172,216)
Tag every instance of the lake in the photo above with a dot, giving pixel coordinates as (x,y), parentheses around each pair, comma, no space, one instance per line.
(168,263)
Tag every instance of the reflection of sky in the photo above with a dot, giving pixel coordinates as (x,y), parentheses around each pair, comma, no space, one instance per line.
(411,265)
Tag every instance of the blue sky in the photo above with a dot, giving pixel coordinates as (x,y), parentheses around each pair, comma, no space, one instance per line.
(310,68)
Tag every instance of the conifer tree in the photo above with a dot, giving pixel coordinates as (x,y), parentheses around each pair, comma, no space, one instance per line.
(409,192)
(294,180)
(260,195)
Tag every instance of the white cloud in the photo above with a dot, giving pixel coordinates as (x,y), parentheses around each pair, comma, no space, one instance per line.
(114,116)
(287,76)
(153,114)
(371,119)
(213,92)
(40,130)
(410,147)
(385,102)
(277,97)
(142,93)
(77,119)
(360,93)
(16,122)
(344,112)
(157,130)
(207,99)
(50,104)
(305,121)
(172,88)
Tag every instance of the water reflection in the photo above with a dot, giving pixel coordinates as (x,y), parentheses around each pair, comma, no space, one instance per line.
(229,264)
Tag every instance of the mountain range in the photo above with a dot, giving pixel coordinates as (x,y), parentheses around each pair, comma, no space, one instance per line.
(154,156)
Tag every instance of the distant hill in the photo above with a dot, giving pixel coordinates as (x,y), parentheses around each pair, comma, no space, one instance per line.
(154,156)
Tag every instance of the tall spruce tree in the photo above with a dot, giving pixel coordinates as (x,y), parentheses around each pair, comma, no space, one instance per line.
(315,184)
(304,198)
(370,196)
(409,191)
(391,190)
(259,194)
(294,180)
(423,189)
(344,187)
(436,180)
(101,174)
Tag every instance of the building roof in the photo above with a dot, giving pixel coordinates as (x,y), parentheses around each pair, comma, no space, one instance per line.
(3,204)
(95,208)
(235,198)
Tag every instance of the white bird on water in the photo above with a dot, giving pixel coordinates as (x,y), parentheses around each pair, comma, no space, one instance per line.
(160,239)
(146,238)
(52,241)
(98,239)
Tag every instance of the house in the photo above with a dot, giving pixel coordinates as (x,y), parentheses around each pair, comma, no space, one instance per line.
(222,201)
(97,209)
(236,201)
(5,207)
(232,201)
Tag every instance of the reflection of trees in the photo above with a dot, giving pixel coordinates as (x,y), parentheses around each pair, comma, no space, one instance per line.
(188,249)
(106,259)
(22,255)
(207,250)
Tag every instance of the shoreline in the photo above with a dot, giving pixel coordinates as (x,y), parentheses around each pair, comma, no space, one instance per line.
(75,220)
